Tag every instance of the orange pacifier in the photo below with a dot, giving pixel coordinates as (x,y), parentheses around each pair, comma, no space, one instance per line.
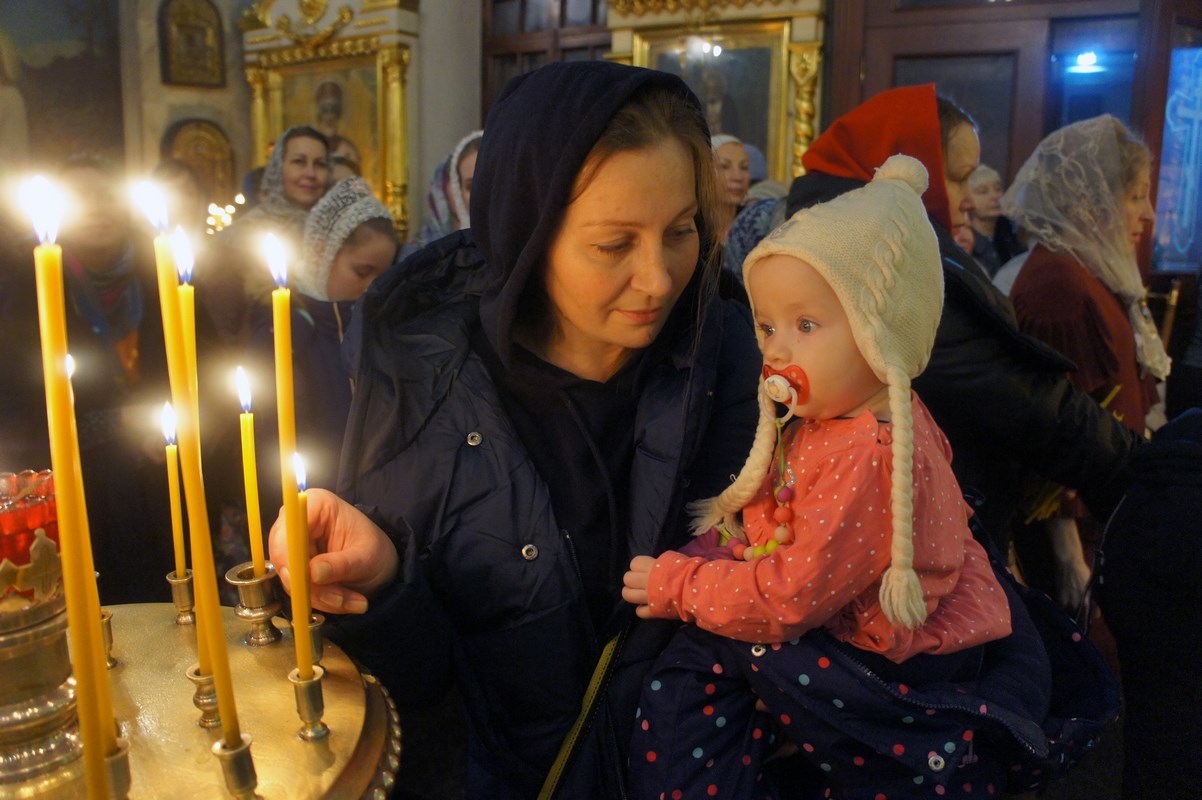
(788,386)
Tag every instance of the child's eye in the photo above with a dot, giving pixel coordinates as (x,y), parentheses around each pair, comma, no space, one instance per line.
(768,330)
(805,326)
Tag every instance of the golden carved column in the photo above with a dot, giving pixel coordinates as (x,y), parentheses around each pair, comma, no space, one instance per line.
(393,64)
(275,105)
(259,130)
(804,62)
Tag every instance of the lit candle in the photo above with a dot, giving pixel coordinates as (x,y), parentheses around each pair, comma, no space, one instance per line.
(181,253)
(45,205)
(300,605)
(177,519)
(211,646)
(250,475)
(298,545)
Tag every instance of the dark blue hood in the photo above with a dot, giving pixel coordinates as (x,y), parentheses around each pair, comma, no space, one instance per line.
(538,135)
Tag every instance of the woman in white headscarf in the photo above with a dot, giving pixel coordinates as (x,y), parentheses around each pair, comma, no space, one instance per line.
(1082,199)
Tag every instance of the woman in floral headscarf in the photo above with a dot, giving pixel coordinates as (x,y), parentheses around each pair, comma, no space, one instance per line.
(449,196)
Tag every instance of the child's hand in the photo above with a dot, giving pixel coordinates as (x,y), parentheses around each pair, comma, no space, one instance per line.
(635,582)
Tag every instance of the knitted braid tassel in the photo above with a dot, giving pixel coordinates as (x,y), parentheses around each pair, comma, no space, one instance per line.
(901,592)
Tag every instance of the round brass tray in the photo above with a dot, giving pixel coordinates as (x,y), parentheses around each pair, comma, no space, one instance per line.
(170,755)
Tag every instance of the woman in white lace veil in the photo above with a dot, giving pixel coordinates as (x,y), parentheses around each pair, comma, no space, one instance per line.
(1071,196)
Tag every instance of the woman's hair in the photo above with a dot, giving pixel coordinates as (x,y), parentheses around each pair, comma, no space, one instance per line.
(306,132)
(651,115)
(951,116)
(376,225)
(1134,156)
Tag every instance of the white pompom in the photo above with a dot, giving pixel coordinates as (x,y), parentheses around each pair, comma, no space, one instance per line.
(904,168)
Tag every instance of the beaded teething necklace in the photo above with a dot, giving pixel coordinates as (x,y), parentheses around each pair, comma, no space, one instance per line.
(782,491)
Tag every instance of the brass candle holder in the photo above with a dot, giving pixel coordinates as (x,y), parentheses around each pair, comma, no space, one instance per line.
(256,602)
(310,705)
(106,626)
(238,768)
(181,595)
(116,767)
(205,698)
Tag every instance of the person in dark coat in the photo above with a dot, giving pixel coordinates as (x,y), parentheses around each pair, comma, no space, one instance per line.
(115,336)
(1000,396)
(536,401)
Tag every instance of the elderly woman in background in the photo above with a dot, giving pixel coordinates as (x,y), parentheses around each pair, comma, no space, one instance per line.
(994,239)
(1082,198)
(734,178)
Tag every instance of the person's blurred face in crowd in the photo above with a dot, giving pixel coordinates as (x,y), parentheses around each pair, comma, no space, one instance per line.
(466,169)
(734,172)
(961,157)
(987,199)
(1137,207)
(362,258)
(97,229)
(306,171)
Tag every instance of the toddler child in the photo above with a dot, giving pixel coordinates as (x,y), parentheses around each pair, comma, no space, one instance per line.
(851,598)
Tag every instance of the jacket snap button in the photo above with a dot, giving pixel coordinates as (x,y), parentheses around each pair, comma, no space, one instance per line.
(529,552)
(758,650)
(474,438)
(936,762)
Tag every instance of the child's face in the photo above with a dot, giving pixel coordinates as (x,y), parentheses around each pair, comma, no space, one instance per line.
(357,265)
(802,323)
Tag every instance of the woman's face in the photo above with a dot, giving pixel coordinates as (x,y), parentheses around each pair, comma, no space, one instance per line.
(306,171)
(466,169)
(358,264)
(1137,207)
(623,254)
(734,172)
(987,199)
(961,157)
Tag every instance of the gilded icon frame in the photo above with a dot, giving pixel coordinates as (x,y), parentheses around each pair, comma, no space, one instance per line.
(754,62)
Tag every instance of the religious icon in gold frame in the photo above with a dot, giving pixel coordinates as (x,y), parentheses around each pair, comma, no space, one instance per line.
(191,44)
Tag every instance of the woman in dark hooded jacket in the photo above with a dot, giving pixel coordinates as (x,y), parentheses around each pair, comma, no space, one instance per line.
(536,401)
(1000,396)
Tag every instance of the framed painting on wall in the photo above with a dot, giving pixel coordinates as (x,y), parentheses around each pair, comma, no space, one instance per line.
(191,44)
(740,72)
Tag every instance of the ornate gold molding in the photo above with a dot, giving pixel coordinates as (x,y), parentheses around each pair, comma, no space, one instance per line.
(805,61)
(385,5)
(393,64)
(339,48)
(640,7)
(311,40)
(369,23)
(257,17)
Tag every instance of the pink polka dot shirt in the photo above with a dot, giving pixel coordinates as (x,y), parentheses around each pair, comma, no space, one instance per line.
(841,471)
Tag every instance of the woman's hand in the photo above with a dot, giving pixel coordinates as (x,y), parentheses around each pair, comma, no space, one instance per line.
(634,589)
(350,556)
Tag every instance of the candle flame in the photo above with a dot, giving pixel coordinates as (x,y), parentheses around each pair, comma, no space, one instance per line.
(69,363)
(181,250)
(273,251)
(149,197)
(168,420)
(298,466)
(243,385)
(45,203)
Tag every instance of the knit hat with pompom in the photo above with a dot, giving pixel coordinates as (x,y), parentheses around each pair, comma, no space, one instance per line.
(876,248)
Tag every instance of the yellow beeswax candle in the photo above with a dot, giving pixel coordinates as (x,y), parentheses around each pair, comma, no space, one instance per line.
(298,545)
(177,519)
(45,205)
(250,475)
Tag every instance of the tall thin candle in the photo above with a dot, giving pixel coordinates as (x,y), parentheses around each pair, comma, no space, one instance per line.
(298,545)
(210,632)
(177,519)
(250,475)
(45,205)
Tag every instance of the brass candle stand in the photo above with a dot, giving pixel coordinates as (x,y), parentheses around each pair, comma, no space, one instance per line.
(204,697)
(256,602)
(181,595)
